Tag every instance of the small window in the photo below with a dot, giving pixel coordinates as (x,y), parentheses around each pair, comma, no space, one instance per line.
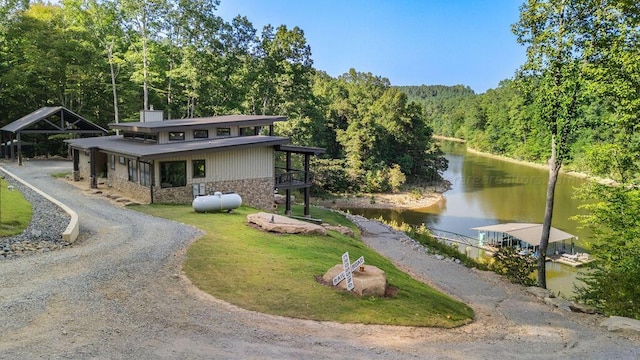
(145,174)
(248,131)
(121,160)
(173,174)
(112,161)
(200,134)
(199,170)
(223,131)
(133,171)
(176,135)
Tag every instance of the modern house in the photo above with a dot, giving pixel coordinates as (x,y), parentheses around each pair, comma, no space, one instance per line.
(173,161)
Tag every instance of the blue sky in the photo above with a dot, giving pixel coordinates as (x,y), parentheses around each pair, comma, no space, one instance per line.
(410,42)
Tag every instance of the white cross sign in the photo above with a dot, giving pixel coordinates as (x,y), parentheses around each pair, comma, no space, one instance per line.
(348,270)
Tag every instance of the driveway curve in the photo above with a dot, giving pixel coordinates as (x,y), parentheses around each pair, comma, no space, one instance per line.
(119,293)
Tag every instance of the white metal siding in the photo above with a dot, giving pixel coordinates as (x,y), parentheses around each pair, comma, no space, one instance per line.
(250,163)
(121,170)
(163,136)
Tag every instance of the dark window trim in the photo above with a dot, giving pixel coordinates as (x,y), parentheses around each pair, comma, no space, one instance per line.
(193,169)
(206,132)
(145,173)
(164,183)
(176,135)
(136,136)
(228,131)
(132,170)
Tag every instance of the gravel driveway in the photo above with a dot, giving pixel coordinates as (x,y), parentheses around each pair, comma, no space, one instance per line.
(118,293)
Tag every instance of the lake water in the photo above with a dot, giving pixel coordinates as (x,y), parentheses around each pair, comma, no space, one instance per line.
(486,191)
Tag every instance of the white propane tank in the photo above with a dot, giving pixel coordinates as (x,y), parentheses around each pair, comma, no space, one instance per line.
(216,202)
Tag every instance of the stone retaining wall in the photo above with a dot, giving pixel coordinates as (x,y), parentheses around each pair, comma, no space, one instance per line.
(257,193)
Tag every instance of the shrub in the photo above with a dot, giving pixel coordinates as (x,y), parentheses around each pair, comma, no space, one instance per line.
(515,267)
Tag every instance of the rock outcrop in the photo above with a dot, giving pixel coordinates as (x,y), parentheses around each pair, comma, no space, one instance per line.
(619,323)
(284,225)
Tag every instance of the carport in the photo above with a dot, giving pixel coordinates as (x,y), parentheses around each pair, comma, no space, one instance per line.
(46,120)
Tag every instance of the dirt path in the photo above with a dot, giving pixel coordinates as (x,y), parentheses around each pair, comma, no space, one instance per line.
(119,293)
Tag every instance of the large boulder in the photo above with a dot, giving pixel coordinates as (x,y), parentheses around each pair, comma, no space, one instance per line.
(284,225)
(339,228)
(618,323)
(282,199)
(370,282)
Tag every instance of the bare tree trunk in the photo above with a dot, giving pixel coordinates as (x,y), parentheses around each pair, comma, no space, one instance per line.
(113,85)
(145,87)
(554,169)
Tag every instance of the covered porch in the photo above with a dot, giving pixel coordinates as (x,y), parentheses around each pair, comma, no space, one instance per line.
(288,178)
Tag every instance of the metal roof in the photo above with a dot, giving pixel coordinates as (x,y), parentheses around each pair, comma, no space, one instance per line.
(67,122)
(301,149)
(528,232)
(178,124)
(150,151)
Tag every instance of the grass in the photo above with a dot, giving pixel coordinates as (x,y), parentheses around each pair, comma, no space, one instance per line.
(15,211)
(276,274)
(60,175)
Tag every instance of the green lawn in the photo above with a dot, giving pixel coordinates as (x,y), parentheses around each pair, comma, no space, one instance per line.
(276,274)
(15,211)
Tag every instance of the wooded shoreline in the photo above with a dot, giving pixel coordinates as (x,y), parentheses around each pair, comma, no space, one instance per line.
(577,174)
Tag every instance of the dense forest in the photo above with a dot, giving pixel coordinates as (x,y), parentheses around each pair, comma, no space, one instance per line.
(574,102)
(503,121)
(108,59)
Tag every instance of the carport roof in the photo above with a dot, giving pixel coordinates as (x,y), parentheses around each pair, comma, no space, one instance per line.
(67,122)
(147,151)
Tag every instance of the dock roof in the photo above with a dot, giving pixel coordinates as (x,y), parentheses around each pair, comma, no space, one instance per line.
(528,232)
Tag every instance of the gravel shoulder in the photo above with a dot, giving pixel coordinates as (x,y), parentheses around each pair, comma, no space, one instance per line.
(119,292)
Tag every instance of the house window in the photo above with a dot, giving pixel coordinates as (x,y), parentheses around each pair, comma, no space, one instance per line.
(176,135)
(173,174)
(200,134)
(150,138)
(248,131)
(133,170)
(145,174)
(121,160)
(199,170)
(112,161)
(223,131)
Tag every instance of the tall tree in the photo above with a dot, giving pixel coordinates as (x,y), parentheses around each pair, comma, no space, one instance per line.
(147,19)
(614,211)
(551,30)
(103,21)
(193,40)
(285,71)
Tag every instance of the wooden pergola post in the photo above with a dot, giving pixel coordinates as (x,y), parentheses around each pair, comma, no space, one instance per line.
(287,208)
(92,168)
(19,149)
(307,180)
(13,151)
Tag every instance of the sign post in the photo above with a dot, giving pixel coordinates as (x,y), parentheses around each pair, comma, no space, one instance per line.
(347,273)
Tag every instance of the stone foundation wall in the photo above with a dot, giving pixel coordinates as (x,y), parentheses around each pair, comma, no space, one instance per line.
(137,192)
(257,193)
